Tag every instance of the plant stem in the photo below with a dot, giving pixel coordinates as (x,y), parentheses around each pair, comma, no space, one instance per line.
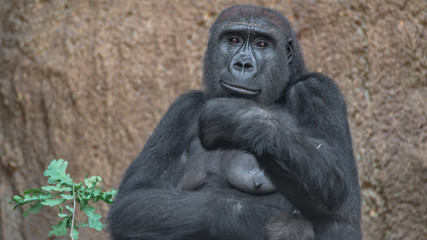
(74,214)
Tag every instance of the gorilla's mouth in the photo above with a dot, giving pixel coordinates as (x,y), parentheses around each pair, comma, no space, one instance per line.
(240,90)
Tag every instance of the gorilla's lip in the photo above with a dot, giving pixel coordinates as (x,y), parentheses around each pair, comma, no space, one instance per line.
(240,89)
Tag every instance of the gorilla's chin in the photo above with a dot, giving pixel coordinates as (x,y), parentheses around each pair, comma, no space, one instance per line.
(239,90)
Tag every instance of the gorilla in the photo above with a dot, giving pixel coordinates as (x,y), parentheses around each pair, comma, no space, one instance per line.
(264,152)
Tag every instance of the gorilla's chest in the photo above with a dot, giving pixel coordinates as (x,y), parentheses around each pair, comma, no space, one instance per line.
(223,168)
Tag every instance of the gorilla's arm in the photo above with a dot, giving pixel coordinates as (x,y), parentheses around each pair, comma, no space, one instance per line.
(304,144)
(149,206)
(144,207)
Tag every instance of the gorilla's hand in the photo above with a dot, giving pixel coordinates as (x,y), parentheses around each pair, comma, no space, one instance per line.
(309,96)
(231,123)
(216,129)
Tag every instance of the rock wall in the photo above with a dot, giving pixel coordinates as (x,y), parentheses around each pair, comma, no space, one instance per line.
(88,81)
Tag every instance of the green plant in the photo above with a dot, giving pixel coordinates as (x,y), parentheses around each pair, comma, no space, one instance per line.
(62,191)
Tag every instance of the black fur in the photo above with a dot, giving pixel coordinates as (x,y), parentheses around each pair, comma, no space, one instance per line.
(258,99)
(289,226)
(229,169)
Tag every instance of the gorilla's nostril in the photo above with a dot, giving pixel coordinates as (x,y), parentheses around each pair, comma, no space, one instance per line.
(248,66)
(238,66)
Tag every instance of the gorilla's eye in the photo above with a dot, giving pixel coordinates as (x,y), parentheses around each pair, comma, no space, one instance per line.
(261,44)
(233,40)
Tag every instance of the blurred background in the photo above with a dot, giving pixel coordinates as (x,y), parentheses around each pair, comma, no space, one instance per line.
(88,81)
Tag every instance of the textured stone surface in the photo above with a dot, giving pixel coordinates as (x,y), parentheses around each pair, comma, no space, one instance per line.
(88,81)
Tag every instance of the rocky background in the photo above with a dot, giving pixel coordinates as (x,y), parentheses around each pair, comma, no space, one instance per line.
(88,81)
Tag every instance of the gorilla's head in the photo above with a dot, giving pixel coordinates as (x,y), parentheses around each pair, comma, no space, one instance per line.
(252,53)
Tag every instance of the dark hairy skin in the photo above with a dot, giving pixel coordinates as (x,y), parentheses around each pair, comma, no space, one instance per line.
(232,168)
(289,226)
(259,100)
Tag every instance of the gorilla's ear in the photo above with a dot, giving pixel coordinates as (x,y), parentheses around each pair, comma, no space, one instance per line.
(290,52)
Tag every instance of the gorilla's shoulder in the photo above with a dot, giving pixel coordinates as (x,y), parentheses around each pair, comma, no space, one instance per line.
(186,105)
(319,80)
(193,99)
(196,96)
(181,115)
(320,77)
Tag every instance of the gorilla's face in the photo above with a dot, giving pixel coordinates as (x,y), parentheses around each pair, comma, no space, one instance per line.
(247,57)
(250,65)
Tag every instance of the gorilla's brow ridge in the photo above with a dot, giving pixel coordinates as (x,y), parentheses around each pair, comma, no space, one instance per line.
(257,28)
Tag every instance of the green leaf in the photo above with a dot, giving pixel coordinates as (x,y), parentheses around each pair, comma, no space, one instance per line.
(35,208)
(41,196)
(56,173)
(96,192)
(57,188)
(92,181)
(108,197)
(33,191)
(69,208)
(69,221)
(62,215)
(87,196)
(16,199)
(52,202)
(113,191)
(28,198)
(77,186)
(80,225)
(75,233)
(59,229)
(67,196)
(93,218)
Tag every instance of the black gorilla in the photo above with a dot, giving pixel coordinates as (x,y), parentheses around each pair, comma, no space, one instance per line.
(259,100)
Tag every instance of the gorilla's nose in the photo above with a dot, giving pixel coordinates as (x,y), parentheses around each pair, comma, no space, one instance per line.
(243,67)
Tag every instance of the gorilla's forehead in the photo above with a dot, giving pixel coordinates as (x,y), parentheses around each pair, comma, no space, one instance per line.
(252,30)
(253,18)
(249,27)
